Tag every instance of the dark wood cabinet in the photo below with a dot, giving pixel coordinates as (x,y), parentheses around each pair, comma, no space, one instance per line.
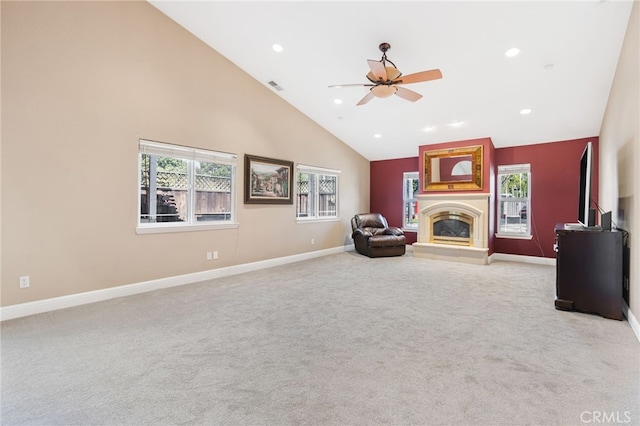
(589,274)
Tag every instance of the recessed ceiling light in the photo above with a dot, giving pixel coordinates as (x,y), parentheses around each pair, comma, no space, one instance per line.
(512,52)
(337,101)
(377,136)
(277,48)
(456,123)
(428,128)
(525,111)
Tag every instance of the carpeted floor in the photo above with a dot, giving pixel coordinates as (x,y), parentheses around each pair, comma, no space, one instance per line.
(338,340)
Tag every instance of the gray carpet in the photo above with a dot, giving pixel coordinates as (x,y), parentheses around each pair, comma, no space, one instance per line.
(338,340)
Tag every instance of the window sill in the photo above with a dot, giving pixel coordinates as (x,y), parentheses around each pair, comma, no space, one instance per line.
(317,219)
(515,236)
(154,229)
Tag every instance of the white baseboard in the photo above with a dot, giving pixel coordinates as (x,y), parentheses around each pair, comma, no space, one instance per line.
(523,259)
(56,303)
(633,321)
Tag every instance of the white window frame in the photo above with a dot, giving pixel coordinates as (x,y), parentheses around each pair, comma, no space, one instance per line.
(191,155)
(316,172)
(406,199)
(510,170)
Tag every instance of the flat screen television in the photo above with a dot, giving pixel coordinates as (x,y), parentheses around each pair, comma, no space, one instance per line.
(584,202)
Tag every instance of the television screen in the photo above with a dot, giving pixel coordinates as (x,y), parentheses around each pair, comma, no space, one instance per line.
(584,201)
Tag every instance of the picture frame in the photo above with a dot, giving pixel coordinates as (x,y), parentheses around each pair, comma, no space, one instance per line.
(442,171)
(267,180)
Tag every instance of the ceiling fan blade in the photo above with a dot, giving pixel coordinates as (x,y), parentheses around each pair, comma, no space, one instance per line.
(377,71)
(393,73)
(419,77)
(407,94)
(366,99)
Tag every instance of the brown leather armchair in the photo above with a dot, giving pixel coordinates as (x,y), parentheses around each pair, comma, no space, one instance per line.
(373,237)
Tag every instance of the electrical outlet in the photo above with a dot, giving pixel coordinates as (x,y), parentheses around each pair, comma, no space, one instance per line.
(209,256)
(24,281)
(215,255)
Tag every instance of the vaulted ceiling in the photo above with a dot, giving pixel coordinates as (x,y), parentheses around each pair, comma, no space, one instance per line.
(568,53)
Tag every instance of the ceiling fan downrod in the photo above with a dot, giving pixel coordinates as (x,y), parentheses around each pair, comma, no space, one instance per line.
(383,48)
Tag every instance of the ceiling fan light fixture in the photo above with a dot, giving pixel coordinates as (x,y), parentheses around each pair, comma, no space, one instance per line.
(383,91)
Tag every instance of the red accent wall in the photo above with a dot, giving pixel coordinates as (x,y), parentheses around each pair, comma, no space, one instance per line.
(555,176)
(386,190)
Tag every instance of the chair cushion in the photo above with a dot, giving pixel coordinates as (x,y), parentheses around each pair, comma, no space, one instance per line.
(386,240)
(375,231)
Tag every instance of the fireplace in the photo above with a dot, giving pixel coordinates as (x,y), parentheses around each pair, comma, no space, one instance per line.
(453,227)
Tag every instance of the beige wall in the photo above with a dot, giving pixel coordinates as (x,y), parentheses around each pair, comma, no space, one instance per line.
(81,83)
(620,150)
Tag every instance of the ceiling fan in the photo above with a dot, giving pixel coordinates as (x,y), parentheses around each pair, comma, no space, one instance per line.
(386,79)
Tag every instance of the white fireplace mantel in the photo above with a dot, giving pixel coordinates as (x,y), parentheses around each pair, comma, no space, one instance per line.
(475,205)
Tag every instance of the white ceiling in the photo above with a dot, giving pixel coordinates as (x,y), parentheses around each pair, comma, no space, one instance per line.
(568,56)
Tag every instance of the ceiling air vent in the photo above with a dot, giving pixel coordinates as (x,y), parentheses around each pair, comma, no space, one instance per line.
(275,86)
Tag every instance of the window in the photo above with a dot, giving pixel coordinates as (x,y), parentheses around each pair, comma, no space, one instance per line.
(409,190)
(184,188)
(514,201)
(317,193)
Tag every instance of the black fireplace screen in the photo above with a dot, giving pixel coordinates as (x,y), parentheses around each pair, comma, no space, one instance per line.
(451,228)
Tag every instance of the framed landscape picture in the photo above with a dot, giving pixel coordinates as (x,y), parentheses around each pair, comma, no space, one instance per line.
(267,180)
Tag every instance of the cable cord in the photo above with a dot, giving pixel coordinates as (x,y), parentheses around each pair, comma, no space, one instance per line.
(534,234)
(625,235)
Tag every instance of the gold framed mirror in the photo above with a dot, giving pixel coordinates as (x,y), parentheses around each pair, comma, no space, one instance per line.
(453,169)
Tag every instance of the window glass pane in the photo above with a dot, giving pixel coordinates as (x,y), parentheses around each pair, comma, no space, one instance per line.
(304,205)
(513,217)
(513,205)
(213,191)
(410,188)
(514,185)
(327,203)
(411,214)
(163,193)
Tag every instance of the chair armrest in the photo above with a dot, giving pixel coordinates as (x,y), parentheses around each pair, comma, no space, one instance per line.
(362,233)
(392,230)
